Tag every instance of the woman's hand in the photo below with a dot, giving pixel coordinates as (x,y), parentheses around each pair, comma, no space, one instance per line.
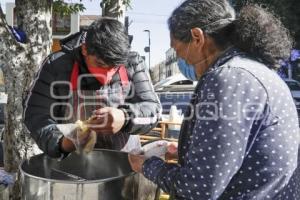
(172,151)
(136,162)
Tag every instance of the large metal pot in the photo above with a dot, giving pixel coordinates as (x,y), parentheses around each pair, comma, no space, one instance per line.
(102,174)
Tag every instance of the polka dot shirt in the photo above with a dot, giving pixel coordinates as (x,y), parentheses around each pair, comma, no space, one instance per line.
(239,140)
(292,190)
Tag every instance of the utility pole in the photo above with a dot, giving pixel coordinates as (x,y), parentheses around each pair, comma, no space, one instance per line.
(148,49)
(126,24)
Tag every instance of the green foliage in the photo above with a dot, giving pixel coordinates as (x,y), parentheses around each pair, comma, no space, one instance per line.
(63,8)
(112,9)
(288,11)
(109,2)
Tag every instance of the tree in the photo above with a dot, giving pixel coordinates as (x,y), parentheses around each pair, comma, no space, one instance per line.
(19,62)
(114,8)
(288,11)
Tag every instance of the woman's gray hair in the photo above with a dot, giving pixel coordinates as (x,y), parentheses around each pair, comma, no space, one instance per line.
(256,31)
(209,15)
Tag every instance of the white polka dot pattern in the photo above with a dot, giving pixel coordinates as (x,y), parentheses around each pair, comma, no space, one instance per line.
(241,144)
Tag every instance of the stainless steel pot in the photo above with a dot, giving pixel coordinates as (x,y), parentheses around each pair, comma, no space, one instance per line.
(102,174)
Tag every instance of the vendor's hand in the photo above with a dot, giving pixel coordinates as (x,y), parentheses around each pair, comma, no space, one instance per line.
(73,136)
(107,120)
(172,151)
(136,162)
(81,141)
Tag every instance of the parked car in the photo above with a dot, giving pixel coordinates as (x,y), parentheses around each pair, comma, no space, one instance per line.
(174,100)
(175,80)
(295,90)
(179,98)
(175,90)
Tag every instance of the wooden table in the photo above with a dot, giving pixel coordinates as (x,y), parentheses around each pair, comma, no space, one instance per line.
(162,130)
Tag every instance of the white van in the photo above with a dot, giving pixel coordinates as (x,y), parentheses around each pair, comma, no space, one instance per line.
(177,80)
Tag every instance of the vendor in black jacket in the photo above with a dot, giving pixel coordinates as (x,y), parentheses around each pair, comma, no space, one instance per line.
(98,78)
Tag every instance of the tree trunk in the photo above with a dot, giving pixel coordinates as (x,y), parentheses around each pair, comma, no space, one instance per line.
(19,62)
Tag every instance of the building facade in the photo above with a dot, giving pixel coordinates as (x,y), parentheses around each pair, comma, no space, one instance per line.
(158,72)
(171,63)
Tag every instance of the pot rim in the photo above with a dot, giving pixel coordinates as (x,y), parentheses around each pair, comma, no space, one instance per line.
(23,173)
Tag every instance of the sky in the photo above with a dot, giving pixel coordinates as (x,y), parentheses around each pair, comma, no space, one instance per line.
(144,15)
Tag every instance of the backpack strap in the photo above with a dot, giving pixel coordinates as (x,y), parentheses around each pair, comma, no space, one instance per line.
(74,76)
(123,76)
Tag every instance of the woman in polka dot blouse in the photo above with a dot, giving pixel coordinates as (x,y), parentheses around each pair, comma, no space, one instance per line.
(240,138)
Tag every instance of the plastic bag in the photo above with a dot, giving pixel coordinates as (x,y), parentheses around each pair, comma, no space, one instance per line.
(133,145)
(83,138)
(158,148)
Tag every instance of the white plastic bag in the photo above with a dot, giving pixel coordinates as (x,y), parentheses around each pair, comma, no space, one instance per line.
(83,141)
(133,145)
(158,148)
(174,116)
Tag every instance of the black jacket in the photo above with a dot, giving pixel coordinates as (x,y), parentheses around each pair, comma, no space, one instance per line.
(141,103)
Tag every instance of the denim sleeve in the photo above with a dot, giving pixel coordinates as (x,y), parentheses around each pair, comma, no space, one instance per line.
(229,103)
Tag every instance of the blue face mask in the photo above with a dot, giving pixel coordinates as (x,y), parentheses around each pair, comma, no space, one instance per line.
(187,70)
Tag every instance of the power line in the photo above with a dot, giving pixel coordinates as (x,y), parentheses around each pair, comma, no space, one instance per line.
(147,14)
(148,22)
